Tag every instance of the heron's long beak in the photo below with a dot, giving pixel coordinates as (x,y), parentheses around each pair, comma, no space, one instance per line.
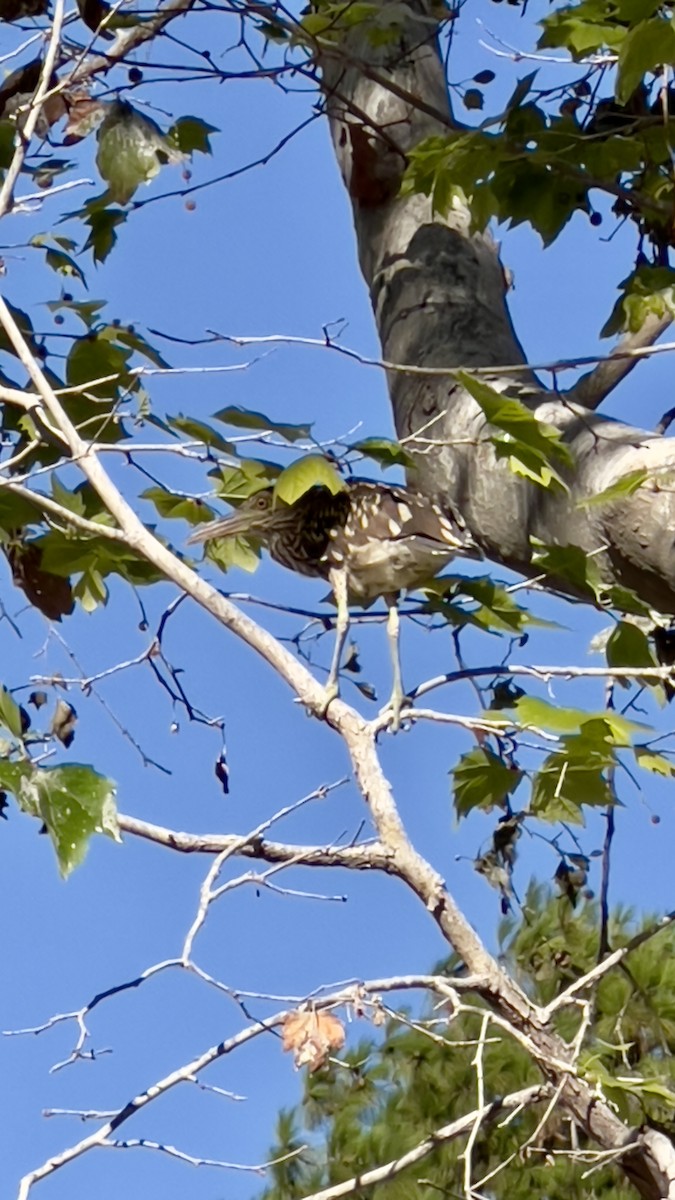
(237,524)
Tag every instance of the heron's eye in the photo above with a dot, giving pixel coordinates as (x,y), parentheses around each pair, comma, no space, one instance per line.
(262,502)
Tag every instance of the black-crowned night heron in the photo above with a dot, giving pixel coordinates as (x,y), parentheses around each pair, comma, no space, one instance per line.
(368,540)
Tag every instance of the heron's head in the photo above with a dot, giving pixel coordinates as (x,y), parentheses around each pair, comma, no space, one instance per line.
(259,516)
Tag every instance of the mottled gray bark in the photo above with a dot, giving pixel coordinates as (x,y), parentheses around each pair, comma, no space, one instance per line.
(439,298)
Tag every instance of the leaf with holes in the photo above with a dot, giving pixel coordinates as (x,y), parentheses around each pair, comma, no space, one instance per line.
(74,802)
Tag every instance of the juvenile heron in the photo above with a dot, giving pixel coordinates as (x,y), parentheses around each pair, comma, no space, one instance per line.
(368,540)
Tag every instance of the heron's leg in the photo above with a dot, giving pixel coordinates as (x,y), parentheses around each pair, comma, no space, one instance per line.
(338,579)
(393,633)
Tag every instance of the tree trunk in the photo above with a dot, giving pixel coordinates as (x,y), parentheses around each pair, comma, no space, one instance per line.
(439,297)
(438,293)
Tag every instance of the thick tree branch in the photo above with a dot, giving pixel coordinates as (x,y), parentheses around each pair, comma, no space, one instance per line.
(511,1005)
(439,297)
(361,858)
(593,388)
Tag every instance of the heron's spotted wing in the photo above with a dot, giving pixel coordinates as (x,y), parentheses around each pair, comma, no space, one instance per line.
(395,514)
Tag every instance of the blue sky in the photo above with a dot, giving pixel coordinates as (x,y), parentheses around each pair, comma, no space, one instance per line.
(269,252)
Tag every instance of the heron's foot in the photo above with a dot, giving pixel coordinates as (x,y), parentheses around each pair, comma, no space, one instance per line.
(394,709)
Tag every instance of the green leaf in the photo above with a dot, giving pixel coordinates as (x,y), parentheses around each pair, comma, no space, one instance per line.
(570,563)
(234,552)
(644,48)
(102,224)
(174,506)
(648,291)
(496,608)
(190,134)
(90,590)
(603,727)
(246,418)
(10,714)
(95,357)
(73,501)
(74,802)
(628,646)
(250,475)
(63,264)
(627,485)
(482,780)
(384,451)
(87,310)
(311,471)
(131,150)
(199,431)
(126,335)
(582,28)
(656,763)
(566,782)
(626,601)
(531,445)
(65,554)
(17,511)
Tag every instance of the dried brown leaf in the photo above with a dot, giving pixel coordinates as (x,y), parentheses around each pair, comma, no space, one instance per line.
(311,1036)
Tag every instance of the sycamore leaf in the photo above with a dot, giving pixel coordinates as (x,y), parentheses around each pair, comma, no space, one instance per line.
(44,589)
(532,446)
(384,451)
(606,726)
(190,134)
(199,431)
(656,763)
(175,506)
(87,310)
(95,357)
(73,501)
(131,150)
(645,47)
(234,552)
(73,801)
(64,264)
(568,781)
(570,563)
(90,590)
(647,291)
(482,780)
(237,483)
(628,646)
(102,224)
(247,418)
(10,714)
(627,485)
(311,471)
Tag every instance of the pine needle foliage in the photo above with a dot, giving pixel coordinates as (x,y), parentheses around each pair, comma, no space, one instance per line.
(390,1092)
